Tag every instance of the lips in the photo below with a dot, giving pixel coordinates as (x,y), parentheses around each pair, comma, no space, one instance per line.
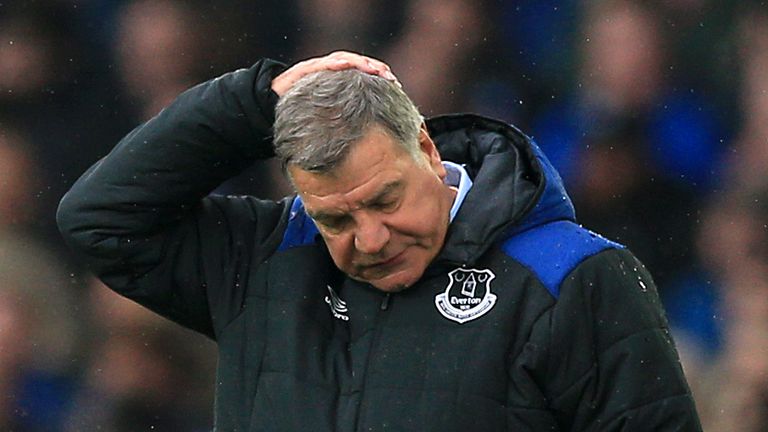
(385,263)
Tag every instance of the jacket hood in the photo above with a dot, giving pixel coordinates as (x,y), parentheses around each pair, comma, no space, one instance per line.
(515,187)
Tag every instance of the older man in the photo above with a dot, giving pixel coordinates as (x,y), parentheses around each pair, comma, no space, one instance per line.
(397,290)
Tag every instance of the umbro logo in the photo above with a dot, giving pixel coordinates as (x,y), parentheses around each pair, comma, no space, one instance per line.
(337,305)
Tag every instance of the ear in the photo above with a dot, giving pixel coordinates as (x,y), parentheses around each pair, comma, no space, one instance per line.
(431,155)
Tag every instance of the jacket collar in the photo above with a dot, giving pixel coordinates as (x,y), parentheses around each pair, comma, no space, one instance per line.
(515,188)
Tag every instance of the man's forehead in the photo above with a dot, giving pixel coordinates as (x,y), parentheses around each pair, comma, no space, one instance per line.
(336,203)
(360,173)
(375,142)
(340,181)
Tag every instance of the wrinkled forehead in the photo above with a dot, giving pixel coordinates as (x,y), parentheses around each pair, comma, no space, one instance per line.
(363,178)
(369,138)
(361,188)
(375,151)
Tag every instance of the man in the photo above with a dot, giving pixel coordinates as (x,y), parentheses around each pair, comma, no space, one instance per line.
(395,291)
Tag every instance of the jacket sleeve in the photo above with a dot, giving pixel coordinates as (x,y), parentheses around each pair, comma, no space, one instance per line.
(612,364)
(139,216)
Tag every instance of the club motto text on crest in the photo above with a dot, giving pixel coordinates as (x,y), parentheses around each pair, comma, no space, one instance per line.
(468,295)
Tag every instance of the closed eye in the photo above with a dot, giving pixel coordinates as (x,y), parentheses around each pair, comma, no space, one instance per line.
(333,224)
(384,206)
(387,199)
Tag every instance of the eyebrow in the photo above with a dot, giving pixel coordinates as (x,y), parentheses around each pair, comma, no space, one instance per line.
(387,189)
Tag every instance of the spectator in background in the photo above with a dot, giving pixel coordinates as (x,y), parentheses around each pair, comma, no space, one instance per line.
(454,35)
(620,141)
(26,60)
(43,99)
(700,39)
(748,162)
(143,374)
(159,49)
(719,310)
(623,75)
(37,327)
(37,337)
(445,35)
(27,88)
(621,193)
(629,72)
(730,225)
(162,48)
(19,179)
(619,78)
(527,57)
(720,314)
(357,25)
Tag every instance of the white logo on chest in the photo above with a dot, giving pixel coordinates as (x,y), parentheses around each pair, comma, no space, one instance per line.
(468,295)
(338,306)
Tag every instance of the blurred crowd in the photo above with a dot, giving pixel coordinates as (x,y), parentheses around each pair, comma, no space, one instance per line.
(654,111)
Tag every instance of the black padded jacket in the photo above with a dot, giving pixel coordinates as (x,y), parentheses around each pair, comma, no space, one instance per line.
(524,322)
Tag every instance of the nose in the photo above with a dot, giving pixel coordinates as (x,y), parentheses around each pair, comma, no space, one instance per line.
(371,235)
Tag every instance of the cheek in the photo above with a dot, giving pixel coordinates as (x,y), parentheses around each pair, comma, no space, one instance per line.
(426,215)
(424,224)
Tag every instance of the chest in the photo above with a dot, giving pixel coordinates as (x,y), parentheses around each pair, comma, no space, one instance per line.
(350,357)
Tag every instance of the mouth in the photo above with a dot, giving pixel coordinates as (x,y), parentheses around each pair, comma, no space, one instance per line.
(384,265)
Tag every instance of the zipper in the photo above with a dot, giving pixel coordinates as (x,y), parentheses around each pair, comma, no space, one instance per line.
(385,302)
(383,307)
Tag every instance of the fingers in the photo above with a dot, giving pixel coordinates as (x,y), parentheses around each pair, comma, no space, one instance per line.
(335,61)
(361,62)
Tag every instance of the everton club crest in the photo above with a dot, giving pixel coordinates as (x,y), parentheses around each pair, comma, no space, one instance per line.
(468,295)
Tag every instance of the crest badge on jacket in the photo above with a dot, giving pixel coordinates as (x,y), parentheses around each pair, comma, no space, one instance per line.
(468,295)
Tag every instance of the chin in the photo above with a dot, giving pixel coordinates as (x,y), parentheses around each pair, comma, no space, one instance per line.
(391,288)
(393,283)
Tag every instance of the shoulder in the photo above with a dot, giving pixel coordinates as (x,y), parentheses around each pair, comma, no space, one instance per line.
(300,229)
(553,250)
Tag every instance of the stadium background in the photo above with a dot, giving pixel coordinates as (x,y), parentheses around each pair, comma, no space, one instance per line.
(656,113)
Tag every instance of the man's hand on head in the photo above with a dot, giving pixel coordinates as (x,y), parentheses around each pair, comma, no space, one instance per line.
(335,61)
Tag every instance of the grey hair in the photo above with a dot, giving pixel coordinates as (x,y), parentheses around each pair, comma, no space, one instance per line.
(319,119)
